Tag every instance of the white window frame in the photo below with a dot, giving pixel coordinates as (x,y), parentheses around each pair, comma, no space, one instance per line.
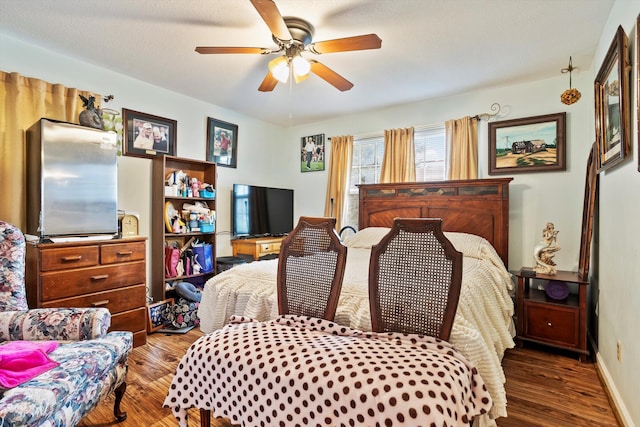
(432,167)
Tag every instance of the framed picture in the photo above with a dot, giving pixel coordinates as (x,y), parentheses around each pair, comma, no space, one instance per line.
(638,85)
(158,315)
(312,153)
(148,136)
(222,143)
(612,104)
(532,144)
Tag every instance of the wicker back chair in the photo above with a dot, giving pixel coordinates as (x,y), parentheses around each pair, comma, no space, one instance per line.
(310,269)
(415,277)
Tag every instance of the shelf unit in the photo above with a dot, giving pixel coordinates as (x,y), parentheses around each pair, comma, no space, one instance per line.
(561,324)
(164,166)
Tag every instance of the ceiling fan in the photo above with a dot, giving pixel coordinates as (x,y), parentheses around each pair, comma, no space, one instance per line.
(293,37)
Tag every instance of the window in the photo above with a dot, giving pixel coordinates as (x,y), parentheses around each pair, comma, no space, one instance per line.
(368,151)
(430,142)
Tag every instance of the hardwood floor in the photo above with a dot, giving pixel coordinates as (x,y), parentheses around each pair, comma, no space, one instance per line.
(543,389)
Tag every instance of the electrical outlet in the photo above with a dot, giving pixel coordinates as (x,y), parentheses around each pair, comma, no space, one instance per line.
(619,351)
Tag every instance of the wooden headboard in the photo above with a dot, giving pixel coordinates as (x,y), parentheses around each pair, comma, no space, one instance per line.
(476,206)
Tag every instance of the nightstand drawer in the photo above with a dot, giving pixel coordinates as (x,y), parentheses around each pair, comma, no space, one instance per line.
(556,325)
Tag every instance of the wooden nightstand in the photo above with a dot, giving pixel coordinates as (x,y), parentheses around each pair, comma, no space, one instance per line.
(561,324)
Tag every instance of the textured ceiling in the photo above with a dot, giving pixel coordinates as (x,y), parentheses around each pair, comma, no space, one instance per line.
(430,48)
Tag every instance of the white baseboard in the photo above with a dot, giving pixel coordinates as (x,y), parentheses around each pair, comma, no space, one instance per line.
(613,392)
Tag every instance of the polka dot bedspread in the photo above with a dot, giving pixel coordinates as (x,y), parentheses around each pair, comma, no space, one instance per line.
(301,371)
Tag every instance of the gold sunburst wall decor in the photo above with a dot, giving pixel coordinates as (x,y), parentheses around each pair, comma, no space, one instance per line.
(571,95)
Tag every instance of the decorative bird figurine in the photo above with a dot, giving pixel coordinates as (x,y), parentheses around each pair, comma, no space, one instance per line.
(91,116)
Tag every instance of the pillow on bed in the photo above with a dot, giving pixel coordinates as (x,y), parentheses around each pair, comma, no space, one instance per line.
(366,237)
(473,246)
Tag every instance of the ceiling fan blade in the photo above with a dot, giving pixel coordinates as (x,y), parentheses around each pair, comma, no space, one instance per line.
(269,83)
(231,49)
(273,18)
(367,41)
(330,76)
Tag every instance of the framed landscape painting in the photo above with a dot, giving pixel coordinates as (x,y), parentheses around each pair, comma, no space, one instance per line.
(532,144)
(312,153)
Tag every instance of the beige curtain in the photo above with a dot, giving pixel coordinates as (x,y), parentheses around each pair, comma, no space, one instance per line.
(462,148)
(339,178)
(399,162)
(24,101)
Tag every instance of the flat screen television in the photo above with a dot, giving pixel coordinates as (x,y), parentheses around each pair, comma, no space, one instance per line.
(261,211)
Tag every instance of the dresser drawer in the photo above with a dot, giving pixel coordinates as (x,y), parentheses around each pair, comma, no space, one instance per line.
(65,258)
(64,284)
(117,300)
(132,320)
(265,247)
(269,248)
(122,252)
(556,325)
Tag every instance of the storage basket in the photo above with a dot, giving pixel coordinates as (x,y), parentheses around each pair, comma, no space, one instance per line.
(206,227)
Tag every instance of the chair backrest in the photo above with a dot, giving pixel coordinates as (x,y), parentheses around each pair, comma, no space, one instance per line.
(310,269)
(415,275)
(13,296)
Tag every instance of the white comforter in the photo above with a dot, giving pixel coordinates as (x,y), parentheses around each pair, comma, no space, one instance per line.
(482,329)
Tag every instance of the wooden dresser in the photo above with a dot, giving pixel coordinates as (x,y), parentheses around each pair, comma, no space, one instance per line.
(106,273)
(257,247)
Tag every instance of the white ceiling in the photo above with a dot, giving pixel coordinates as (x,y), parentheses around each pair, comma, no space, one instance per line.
(430,48)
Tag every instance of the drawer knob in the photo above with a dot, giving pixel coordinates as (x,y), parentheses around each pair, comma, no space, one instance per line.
(100,277)
(125,253)
(71,258)
(549,324)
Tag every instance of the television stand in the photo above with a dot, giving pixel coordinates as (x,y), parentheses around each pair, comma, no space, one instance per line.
(257,247)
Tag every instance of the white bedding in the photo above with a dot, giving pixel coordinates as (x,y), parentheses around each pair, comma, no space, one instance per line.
(482,330)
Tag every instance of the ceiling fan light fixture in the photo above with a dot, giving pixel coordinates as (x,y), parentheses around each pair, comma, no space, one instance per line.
(301,66)
(279,68)
(299,78)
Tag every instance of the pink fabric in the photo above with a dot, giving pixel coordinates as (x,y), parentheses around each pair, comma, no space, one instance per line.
(21,361)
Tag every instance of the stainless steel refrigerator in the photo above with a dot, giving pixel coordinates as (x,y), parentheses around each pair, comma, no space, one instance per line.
(71,181)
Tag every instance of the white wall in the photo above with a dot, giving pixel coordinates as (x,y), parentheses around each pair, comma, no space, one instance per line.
(619,248)
(535,198)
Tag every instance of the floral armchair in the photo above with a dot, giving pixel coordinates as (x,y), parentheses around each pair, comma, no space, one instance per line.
(91,363)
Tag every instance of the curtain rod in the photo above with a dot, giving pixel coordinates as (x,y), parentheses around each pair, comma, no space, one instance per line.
(379,133)
(495,108)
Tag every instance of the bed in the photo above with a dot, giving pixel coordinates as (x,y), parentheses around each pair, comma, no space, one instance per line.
(475,219)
